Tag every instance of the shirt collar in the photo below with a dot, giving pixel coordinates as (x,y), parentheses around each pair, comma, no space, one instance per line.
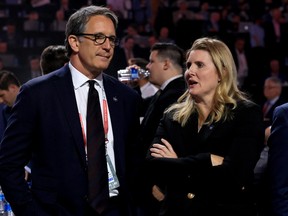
(79,79)
(273,101)
(163,86)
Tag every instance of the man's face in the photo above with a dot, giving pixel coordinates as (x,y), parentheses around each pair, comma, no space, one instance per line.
(92,57)
(271,90)
(155,67)
(8,97)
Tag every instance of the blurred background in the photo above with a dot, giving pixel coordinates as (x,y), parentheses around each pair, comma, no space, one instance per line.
(254,29)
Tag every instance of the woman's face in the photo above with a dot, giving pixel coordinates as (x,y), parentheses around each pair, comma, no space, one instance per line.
(201,76)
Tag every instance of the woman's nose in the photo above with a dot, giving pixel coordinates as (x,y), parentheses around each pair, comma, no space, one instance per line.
(190,71)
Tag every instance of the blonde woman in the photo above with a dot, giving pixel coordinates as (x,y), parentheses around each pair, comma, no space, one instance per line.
(207,144)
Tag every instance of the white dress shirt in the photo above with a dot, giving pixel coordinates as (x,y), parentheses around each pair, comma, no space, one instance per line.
(81,88)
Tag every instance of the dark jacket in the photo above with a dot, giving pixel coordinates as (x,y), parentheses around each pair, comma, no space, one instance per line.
(45,127)
(269,115)
(277,160)
(151,120)
(149,125)
(193,185)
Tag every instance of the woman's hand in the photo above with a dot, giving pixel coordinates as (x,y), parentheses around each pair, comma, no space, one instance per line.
(157,193)
(216,160)
(166,150)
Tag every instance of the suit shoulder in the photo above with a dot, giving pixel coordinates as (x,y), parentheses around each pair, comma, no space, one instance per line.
(281,100)
(282,108)
(177,85)
(248,110)
(179,81)
(47,78)
(247,104)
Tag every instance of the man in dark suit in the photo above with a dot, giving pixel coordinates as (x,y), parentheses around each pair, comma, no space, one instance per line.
(48,128)
(273,98)
(9,89)
(165,65)
(166,71)
(276,34)
(277,160)
(53,57)
(240,52)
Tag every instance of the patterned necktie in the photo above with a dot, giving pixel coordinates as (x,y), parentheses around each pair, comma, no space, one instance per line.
(98,191)
(266,108)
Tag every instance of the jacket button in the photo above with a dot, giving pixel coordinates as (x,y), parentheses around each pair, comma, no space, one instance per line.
(190,195)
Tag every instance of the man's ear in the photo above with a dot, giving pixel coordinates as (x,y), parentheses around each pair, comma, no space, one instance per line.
(13,88)
(166,64)
(74,42)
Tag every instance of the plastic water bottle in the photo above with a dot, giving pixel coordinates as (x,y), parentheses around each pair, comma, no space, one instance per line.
(2,202)
(8,210)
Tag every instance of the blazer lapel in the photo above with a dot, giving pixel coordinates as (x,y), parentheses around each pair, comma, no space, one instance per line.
(65,89)
(114,101)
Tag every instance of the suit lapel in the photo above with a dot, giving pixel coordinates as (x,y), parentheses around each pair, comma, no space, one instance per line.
(114,100)
(65,89)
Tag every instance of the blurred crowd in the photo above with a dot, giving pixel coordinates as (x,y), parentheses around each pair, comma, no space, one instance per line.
(152,36)
(256,32)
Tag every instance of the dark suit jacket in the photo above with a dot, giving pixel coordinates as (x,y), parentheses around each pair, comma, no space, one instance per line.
(269,115)
(5,114)
(278,160)
(148,128)
(219,190)
(249,59)
(168,96)
(271,38)
(45,127)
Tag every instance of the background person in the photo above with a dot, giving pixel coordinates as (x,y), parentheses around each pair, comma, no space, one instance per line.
(142,85)
(273,97)
(165,65)
(53,57)
(34,66)
(48,126)
(277,160)
(9,89)
(262,191)
(208,142)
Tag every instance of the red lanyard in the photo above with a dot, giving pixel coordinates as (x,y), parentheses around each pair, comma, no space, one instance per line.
(105,118)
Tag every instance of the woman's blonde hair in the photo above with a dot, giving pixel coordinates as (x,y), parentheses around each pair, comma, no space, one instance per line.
(227,91)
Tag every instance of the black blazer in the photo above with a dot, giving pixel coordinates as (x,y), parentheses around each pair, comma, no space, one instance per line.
(44,127)
(271,38)
(148,128)
(151,120)
(193,185)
